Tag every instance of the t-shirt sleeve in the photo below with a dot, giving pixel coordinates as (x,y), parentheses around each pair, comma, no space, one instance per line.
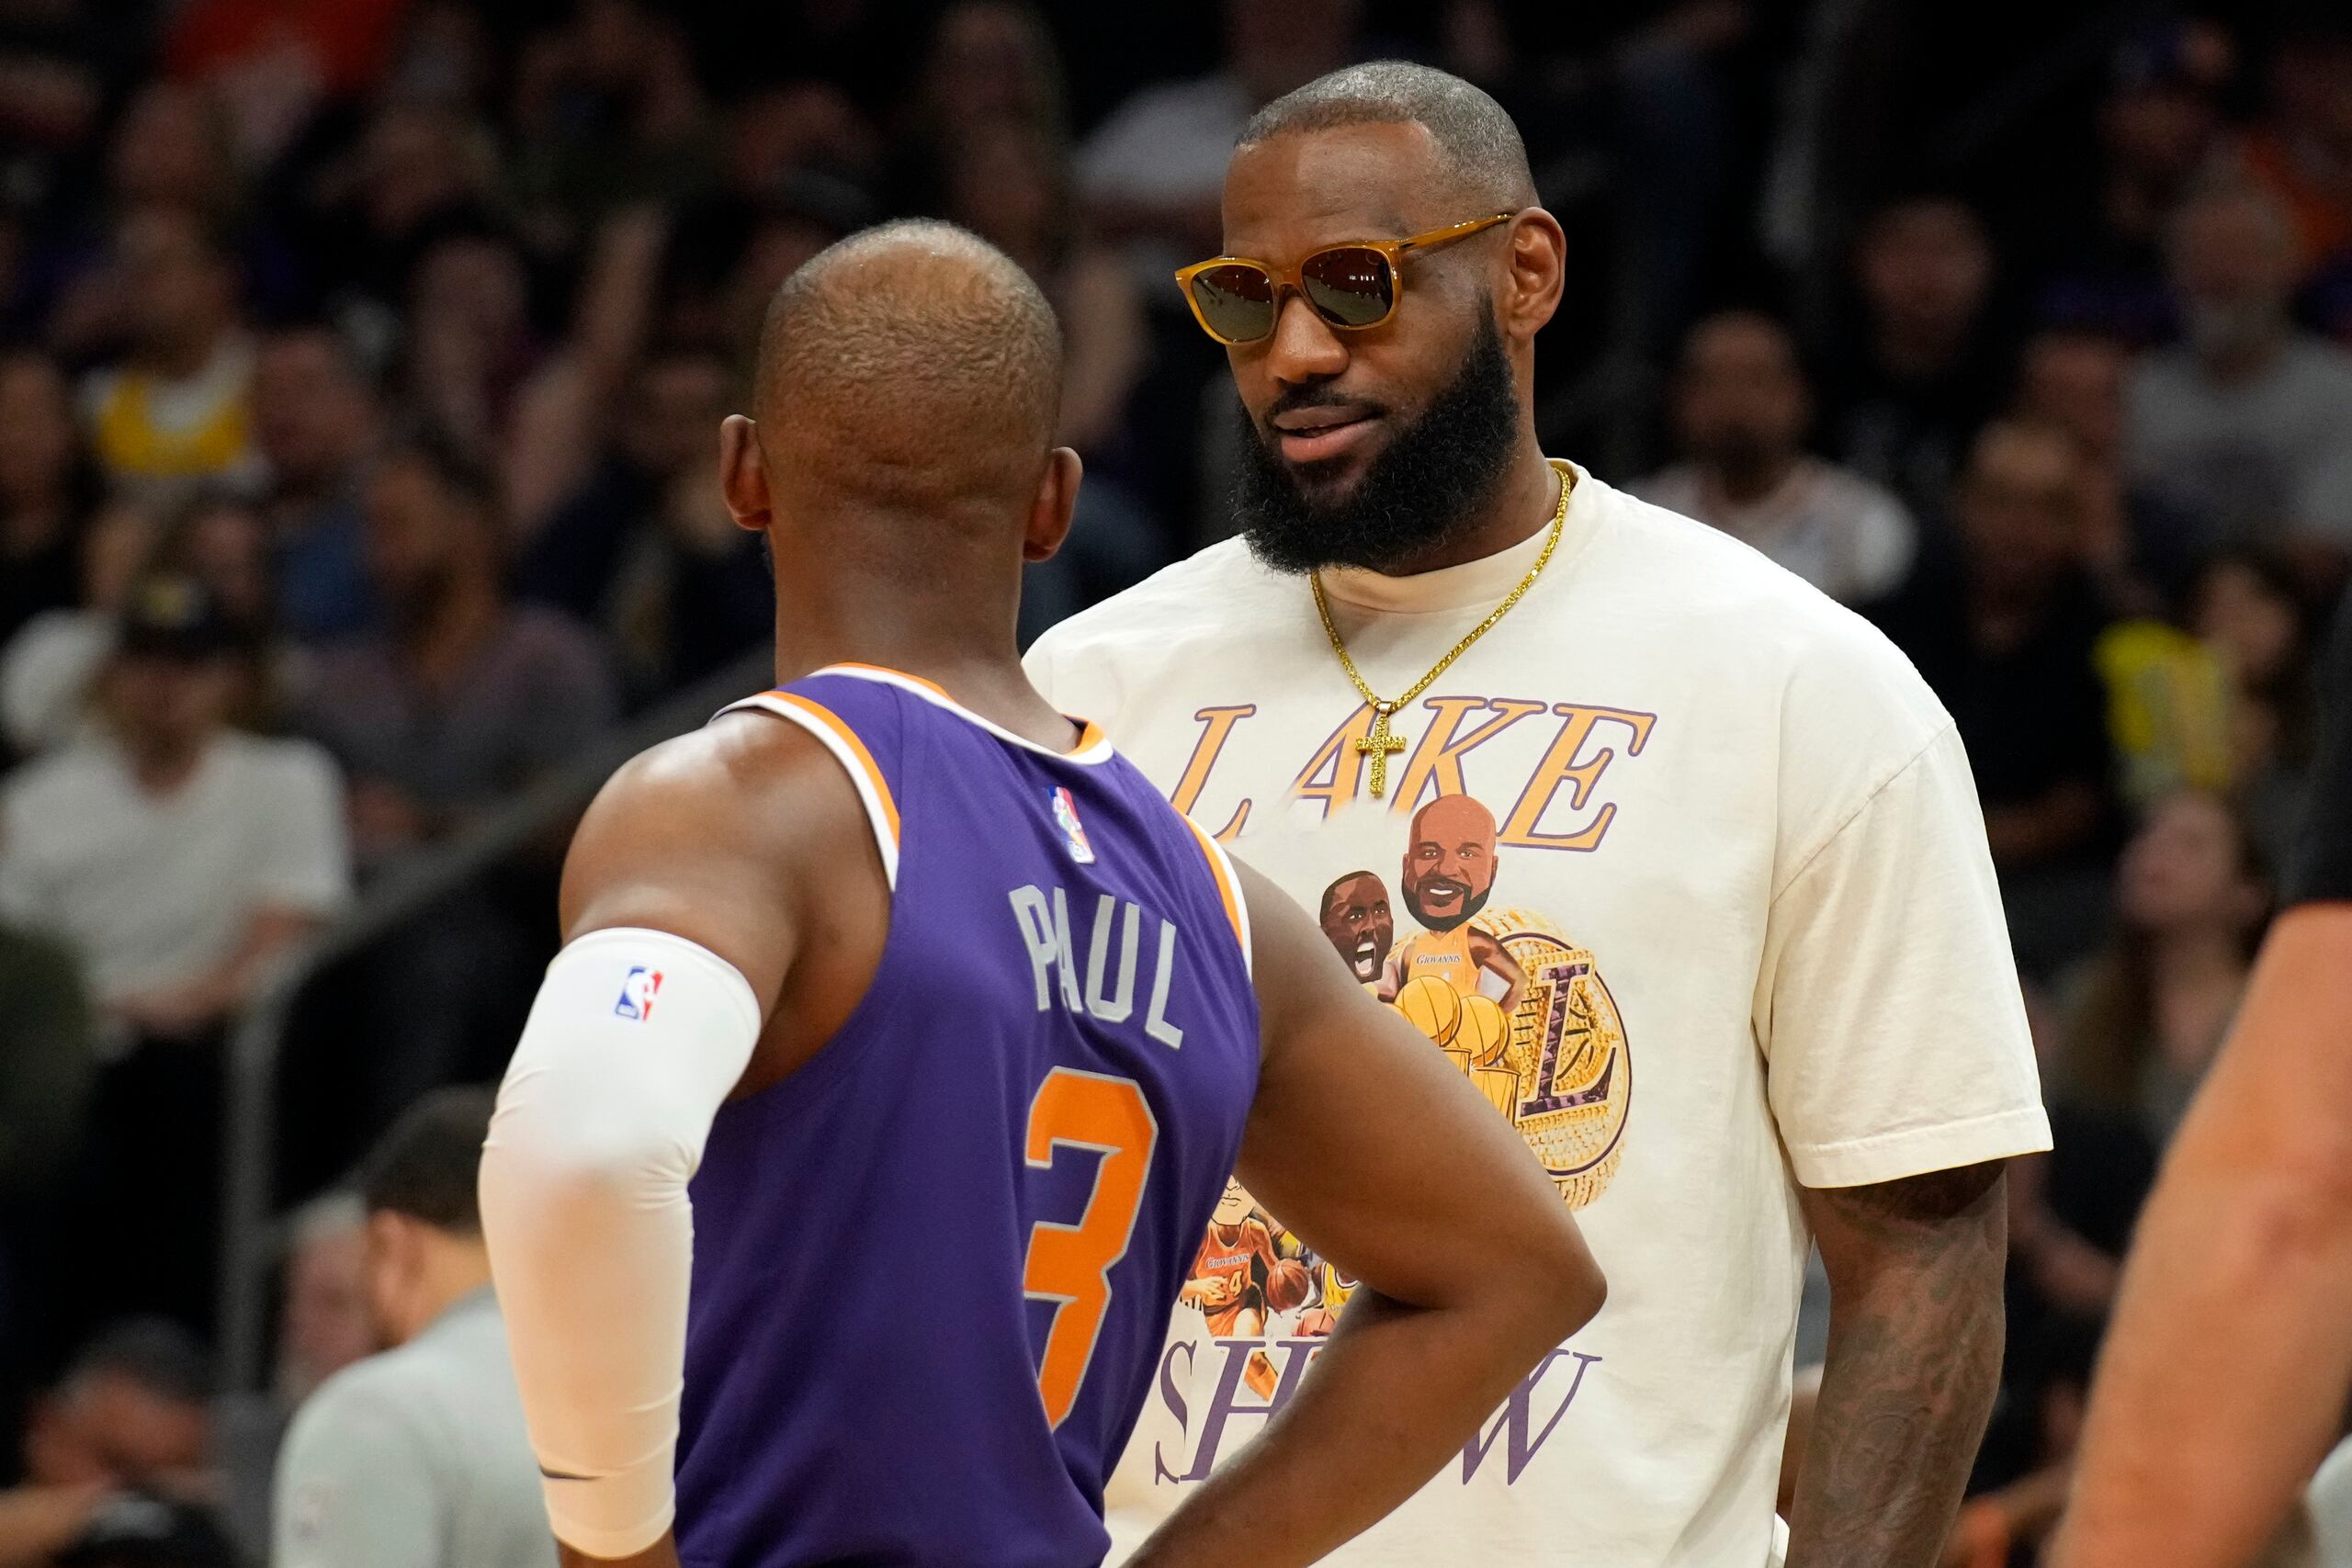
(1887,1004)
(2322,869)
(356,1487)
(302,857)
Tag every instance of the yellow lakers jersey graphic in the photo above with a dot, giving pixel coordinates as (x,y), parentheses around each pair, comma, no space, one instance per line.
(1443,954)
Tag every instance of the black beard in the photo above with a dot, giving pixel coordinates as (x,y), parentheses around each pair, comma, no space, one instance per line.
(1471,905)
(1434,477)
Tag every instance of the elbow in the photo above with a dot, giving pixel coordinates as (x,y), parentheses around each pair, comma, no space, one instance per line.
(1565,1288)
(546,1160)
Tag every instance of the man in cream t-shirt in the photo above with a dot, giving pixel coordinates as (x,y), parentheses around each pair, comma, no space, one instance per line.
(1677,860)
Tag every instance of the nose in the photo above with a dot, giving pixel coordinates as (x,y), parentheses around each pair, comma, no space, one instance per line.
(1304,347)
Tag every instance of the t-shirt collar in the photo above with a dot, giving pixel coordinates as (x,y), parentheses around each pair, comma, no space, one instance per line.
(1481,582)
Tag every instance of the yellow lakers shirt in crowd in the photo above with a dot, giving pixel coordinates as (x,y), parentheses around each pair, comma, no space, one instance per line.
(1682,866)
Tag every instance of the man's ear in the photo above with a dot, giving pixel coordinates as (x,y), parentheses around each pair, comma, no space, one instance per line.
(1536,271)
(1049,514)
(743,475)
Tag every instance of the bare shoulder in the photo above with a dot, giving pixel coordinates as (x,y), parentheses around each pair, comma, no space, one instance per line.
(701,836)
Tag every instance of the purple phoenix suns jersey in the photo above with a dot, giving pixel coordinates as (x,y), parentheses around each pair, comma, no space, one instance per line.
(934,1269)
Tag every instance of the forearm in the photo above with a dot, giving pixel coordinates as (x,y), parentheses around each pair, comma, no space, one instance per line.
(1915,1332)
(1410,1386)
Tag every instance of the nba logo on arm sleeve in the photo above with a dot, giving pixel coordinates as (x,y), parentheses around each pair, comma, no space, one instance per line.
(638,993)
(1073,830)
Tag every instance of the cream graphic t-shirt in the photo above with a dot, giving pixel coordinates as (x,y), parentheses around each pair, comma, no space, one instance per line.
(1682,864)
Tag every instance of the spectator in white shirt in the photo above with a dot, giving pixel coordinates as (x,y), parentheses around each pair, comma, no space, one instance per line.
(1742,409)
(2247,422)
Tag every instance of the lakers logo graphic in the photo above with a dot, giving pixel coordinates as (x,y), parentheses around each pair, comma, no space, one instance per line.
(1571,1074)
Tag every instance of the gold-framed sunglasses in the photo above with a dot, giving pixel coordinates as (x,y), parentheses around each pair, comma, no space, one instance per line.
(1351,286)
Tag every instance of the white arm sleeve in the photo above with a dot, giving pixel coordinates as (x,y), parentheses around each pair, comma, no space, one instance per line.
(636,1040)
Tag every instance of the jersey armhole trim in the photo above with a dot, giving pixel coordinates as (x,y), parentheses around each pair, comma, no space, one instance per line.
(1228,888)
(864,774)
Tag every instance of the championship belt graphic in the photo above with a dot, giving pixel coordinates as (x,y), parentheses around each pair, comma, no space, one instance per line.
(1565,1077)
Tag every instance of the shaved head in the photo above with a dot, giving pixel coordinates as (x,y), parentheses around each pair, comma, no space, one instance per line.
(1480,147)
(912,367)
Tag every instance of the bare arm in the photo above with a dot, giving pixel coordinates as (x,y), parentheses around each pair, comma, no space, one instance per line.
(1384,1160)
(2246,1245)
(1915,1327)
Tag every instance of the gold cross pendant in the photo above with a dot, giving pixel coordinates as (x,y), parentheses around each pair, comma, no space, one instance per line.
(1379,745)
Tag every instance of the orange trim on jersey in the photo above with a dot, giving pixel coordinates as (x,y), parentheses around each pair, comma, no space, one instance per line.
(832,721)
(1090,736)
(885,670)
(1226,888)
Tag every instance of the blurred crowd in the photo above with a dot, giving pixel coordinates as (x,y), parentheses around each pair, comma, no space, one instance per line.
(360,361)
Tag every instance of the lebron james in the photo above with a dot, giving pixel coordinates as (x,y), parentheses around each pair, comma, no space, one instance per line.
(1698,856)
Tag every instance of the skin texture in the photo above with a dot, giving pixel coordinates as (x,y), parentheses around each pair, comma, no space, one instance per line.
(2245,1249)
(1378,1152)
(1915,1330)
(1293,195)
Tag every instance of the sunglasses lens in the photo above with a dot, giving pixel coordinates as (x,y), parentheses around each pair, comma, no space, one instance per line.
(1237,303)
(1351,286)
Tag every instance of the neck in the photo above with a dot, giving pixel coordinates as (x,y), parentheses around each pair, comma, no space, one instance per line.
(963,642)
(163,766)
(441,640)
(455,1267)
(1744,484)
(2198,957)
(178,360)
(1522,506)
(1918,351)
(32,523)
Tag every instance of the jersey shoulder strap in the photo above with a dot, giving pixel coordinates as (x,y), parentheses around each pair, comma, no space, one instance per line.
(863,725)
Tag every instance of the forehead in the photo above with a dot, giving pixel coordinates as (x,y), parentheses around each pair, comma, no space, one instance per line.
(1299,189)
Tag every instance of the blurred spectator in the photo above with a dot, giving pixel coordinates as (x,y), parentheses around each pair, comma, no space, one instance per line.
(315,421)
(44,491)
(172,148)
(417,1457)
(129,1415)
(2190,901)
(47,669)
(1154,172)
(1742,409)
(139,1531)
(274,63)
(172,410)
(2249,611)
(419,172)
(179,856)
(465,698)
(2160,132)
(646,550)
(1907,398)
(991,65)
(2247,424)
(323,1325)
(2302,152)
(2141,550)
(2006,636)
(610,112)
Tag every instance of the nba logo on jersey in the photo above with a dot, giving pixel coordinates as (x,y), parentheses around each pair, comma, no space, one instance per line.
(638,993)
(1073,831)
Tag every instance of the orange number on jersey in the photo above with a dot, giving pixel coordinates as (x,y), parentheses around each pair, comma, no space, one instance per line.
(1071,1265)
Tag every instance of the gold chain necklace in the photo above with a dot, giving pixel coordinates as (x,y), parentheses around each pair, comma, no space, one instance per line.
(1382,743)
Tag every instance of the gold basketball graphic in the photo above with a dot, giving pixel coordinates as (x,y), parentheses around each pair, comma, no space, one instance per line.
(1432,1006)
(1567,1053)
(1484,1029)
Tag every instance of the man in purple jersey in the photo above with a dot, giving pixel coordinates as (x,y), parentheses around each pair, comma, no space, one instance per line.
(953,1153)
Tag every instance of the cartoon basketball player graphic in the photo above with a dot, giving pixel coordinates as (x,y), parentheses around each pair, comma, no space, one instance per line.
(1449,874)
(1355,915)
(1228,1277)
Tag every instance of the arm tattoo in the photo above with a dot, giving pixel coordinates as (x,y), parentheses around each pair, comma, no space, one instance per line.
(1915,1327)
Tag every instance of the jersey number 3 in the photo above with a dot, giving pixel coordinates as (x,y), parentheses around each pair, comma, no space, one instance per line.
(1071,1265)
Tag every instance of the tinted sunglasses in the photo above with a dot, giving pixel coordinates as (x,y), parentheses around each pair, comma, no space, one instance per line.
(1351,286)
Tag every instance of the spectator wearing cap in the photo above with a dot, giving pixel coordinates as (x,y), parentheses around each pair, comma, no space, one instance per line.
(179,856)
(417,1457)
(1741,408)
(2246,424)
(129,1418)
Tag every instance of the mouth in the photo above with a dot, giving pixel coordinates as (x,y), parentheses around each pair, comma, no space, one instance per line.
(1437,892)
(1319,435)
